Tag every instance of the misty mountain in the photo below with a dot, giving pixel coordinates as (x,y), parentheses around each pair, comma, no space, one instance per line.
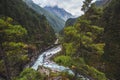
(56,22)
(59,12)
(35,24)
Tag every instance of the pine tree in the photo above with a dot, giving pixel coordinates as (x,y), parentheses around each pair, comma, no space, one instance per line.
(12,49)
(86,5)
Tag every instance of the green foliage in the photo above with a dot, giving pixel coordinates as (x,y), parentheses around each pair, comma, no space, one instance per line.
(69,49)
(10,31)
(91,71)
(86,5)
(17,30)
(12,48)
(70,33)
(56,22)
(70,22)
(87,39)
(81,67)
(98,47)
(63,75)
(15,51)
(30,74)
(63,60)
(79,38)
(38,29)
(97,30)
(94,14)
(83,43)
(111,22)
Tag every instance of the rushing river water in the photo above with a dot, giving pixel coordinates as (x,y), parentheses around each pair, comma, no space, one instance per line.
(44,60)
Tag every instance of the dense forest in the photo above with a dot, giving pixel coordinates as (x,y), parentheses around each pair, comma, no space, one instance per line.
(23,33)
(90,43)
(91,46)
(34,23)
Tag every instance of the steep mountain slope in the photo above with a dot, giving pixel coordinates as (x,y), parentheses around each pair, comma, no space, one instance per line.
(39,31)
(70,22)
(56,22)
(102,2)
(59,12)
(17,51)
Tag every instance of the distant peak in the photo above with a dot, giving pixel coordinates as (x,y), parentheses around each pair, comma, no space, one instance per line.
(60,12)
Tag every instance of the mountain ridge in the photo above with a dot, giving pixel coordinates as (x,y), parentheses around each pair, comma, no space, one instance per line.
(56,22)
(102,2)
(59,12)
(33,22)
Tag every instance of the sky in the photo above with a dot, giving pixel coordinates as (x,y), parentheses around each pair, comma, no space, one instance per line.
(71,6)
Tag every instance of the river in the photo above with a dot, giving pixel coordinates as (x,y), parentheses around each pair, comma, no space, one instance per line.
(44,60)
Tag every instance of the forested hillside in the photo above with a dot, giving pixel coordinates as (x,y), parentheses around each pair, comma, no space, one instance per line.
(55,21)
(89,45)
(70,22)
(23,33)
(111,22)
(13,51)
(83,46)
(37,26)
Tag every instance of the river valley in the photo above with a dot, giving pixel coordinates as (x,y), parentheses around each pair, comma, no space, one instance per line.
(44,60)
